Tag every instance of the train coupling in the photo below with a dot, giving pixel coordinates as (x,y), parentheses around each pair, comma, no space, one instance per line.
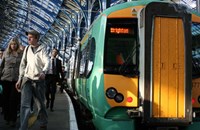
(134,113)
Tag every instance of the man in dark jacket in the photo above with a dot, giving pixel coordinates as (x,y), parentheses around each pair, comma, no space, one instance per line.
(53,76)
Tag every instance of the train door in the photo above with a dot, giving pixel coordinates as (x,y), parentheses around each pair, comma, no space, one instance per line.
(167,64)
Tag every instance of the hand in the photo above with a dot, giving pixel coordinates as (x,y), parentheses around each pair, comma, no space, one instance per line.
(42,76)
(18,85)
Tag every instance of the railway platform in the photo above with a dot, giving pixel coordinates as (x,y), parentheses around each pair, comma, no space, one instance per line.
(62,118)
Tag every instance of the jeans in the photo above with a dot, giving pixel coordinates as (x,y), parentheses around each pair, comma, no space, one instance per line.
(35,89)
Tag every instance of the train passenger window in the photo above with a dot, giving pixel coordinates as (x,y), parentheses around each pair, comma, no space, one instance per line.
(82,63)
(195,50)
(87,56)
(90,57)
(121,47)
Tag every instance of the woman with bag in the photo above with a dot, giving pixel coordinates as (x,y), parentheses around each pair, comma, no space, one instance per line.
(9,71)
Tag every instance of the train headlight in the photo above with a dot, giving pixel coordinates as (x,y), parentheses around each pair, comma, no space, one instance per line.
(119,98)
(111,92)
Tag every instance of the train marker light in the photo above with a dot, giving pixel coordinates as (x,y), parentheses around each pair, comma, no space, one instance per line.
(129,99)
(111,92)
(193,100)
(119,98)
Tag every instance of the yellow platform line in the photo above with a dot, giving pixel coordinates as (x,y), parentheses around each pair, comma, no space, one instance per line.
(32,120)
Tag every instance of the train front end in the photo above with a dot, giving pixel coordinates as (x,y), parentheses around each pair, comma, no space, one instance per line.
(147,68)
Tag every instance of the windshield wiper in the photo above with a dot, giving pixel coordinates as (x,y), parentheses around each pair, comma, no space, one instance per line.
(125,68)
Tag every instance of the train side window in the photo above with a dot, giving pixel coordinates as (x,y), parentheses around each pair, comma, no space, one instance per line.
(87,59)
(82,63)
(90,57)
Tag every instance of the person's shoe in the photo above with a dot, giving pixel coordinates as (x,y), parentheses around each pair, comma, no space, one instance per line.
(52,110)
(43,127)
(7,122)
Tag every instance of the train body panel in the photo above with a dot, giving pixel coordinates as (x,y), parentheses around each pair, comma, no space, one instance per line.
(89,86)
(135,74)
(127,86)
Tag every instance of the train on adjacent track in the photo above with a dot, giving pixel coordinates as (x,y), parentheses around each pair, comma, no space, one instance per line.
(138,67)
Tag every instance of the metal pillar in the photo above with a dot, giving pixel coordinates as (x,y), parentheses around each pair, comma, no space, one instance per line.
(198,5)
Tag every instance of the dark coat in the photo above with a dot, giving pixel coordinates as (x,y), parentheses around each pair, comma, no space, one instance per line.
(59,72)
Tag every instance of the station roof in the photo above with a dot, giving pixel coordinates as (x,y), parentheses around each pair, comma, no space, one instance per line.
(56,20)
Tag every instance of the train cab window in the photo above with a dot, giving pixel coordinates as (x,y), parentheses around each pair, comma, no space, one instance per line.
(121,47)
(195,50)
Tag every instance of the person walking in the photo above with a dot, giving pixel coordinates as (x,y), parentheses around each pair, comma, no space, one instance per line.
(9,71)
(1,88)
(63,82)
(31,80)
(53,76)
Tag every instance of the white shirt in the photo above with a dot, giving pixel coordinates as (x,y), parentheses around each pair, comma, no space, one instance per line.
(50,71)
(0,61)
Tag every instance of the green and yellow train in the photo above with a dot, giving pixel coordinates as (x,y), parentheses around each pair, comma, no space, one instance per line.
(137,68)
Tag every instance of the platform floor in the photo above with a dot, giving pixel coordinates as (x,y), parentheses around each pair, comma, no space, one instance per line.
(63,117)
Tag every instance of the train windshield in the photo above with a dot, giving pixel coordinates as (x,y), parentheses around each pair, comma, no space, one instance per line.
(121,47)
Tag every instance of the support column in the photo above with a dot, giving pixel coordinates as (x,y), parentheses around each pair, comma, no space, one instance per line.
(198,5)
